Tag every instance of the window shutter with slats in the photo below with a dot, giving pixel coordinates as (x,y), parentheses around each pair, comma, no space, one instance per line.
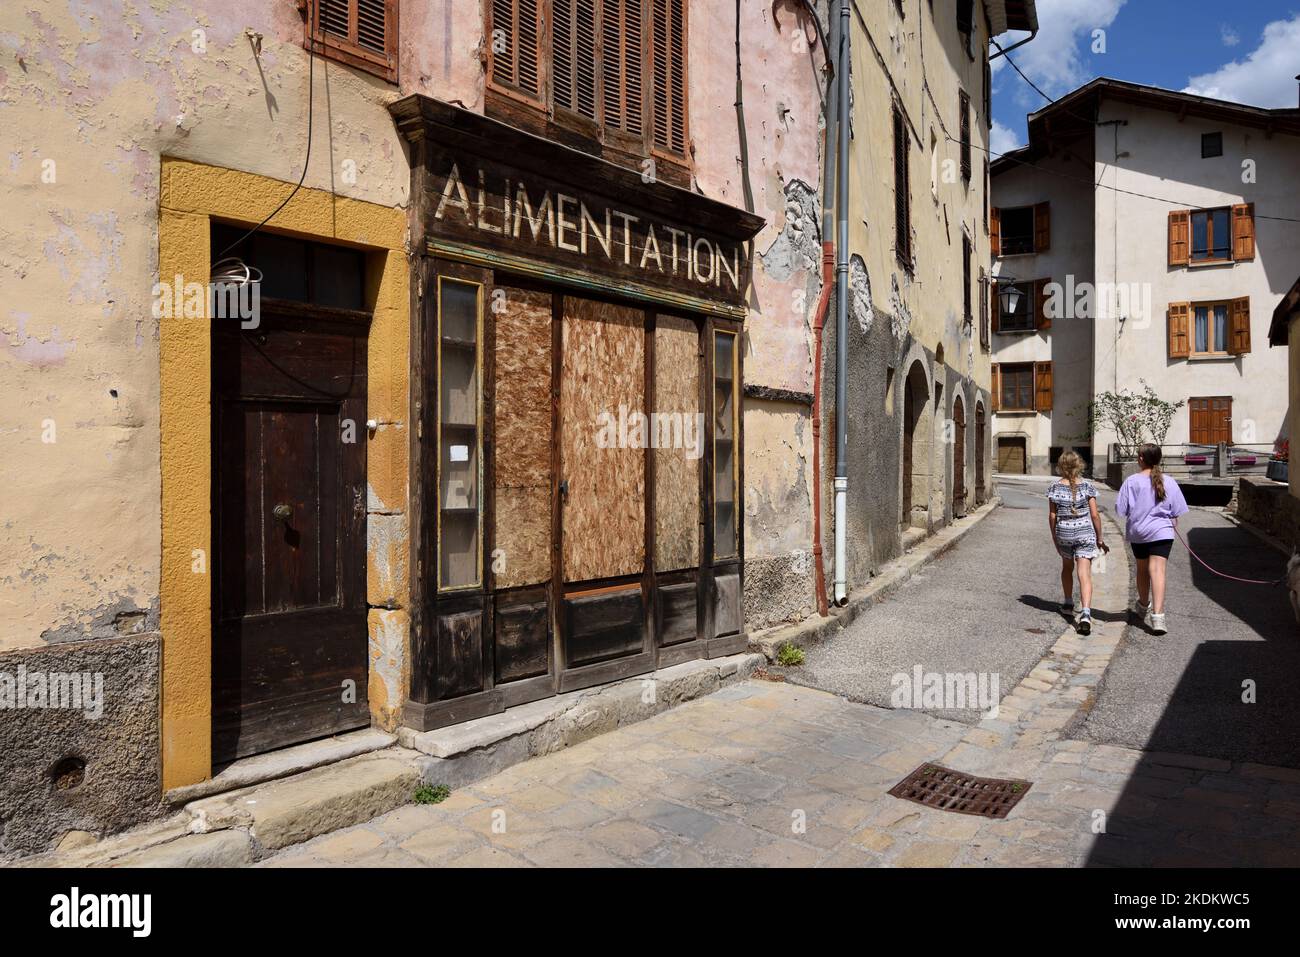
(997,306)
(515,33)
(1180,245)
(1179,321)
(359,33)
(1239,326)
(1042,227)
(1243,231)
(668,59)
(622,65)
(1043,388)
(995,232)
(574,76)
(1042,319)
(996,388)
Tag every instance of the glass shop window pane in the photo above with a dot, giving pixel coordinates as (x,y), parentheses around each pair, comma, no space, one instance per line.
(1202,329)
(458,433)
(724,446)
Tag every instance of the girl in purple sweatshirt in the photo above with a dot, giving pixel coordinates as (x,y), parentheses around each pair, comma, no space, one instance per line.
(1152,502)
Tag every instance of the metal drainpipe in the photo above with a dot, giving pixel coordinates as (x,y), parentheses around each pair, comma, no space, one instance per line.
(842,314)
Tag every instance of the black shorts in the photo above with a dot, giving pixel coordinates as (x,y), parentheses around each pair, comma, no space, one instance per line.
(1161,549)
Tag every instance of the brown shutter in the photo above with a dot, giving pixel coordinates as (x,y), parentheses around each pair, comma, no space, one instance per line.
(995,232)
(573,57)
(1042,227)
(1243,231)
(668,60)
(1180,237)
(963,100)
(1041,319)
(1179,320)
(996,387)
(1239,326)
(984,309)
(514,45)
(621,64)
(996,307)
(1043,387)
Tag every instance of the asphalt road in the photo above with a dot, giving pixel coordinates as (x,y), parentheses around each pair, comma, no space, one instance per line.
(990,606)
(1183,692)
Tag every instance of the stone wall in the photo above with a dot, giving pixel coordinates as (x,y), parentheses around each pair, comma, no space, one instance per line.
(1269,506)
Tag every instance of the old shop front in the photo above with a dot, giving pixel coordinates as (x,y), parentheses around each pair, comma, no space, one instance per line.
(577,453)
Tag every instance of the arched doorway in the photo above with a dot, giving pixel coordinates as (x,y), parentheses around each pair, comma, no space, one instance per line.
(918,427)
(958,457)
(980,493)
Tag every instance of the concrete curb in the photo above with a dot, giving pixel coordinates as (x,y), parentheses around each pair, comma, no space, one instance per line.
(893,575)
(243,826)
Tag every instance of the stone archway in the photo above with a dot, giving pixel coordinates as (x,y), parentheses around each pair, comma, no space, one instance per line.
(918,443)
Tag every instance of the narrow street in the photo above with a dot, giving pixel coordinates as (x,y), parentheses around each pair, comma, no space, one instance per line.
(1135,747)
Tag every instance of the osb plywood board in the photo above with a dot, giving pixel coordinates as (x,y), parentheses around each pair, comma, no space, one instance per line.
(603,368)
(522,366)
(679,431)
(523,522)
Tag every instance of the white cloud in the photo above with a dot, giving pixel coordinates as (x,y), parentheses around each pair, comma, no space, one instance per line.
(1056,59)
(1229,36)
(1265,77)
(1002,139)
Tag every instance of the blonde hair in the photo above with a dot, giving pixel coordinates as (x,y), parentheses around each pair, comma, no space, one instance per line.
(1149,457)
(1070,467)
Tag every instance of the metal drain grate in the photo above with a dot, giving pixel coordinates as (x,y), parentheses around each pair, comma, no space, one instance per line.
(948,790)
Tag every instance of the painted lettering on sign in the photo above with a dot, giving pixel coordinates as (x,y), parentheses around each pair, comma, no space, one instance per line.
(517,211)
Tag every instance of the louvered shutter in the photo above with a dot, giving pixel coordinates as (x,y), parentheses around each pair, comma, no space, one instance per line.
(1179,320)
(574,75)
(1042,319)
(360,33)
(984,309)
(1239,326)
(963,101)
(1243,231)
(995,232)
(1180,236)
(1042,227)
(996,387)
(668,58)
(996,307)
(514,42)
(1044,388)
(622,65)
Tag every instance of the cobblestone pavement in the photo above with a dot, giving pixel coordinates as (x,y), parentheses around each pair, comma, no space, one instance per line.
(770,774)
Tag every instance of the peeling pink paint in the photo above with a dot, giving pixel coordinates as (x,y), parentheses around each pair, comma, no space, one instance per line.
(34,351)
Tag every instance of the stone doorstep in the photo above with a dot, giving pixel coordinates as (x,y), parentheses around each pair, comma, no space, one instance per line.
(241,826)
(895,573)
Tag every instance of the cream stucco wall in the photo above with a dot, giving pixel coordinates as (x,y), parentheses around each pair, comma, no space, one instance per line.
(1161,157)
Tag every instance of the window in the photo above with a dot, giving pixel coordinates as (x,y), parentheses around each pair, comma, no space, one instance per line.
(1021,319)
(459,362)
(1224,234)
(1022,230)
(725,380)
(359,33)
(1016,392)
(1023,387)
(984,310)
(902,193)
(612,71)
(1206,329)
(968,314)
(966,24)
(964,105)
(1211,145)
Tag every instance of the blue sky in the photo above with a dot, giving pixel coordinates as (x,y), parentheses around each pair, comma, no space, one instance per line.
(1243,50)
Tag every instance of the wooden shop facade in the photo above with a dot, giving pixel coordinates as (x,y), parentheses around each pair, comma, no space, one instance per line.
(577,441)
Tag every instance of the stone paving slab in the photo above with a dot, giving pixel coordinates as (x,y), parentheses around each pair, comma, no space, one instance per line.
(771,774)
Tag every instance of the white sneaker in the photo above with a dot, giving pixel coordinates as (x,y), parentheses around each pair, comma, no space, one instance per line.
(1158,624)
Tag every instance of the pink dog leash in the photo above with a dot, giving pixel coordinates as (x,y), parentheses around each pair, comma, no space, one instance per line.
(1247,581)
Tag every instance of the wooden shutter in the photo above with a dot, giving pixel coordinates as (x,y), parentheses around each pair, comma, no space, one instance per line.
(515,30)
(1042,227)
(996,387)
(1043,388)
(1179,321)
(1041,318)
(902,193)
(360,33)
(984,309)
(573,57)
(1243,231)
(995,232)
(621,65)
(964,105)
(668,59)
(1239,326)
(1180,237)
(996,306)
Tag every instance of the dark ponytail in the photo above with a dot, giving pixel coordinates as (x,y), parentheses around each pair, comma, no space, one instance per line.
(1149,457)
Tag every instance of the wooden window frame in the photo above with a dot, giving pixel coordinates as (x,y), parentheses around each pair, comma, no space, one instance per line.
(1028,296)
(968,277)
(1035,231)
(509,90)
(715,333)
(965,127)
(1019,368)
(1236,334)
(1209,236)
(346,50)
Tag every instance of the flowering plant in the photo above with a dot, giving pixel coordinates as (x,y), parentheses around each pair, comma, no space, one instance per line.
(1281,451)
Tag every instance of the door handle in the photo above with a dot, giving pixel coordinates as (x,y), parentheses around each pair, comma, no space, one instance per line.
(282,512)
(564,489)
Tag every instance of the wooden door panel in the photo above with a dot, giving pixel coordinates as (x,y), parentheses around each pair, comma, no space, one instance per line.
(603,512)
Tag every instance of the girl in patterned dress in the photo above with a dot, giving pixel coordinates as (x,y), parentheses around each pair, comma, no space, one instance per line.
(1076,531)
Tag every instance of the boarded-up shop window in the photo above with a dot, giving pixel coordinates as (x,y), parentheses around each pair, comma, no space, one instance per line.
(680,435)
(359,33)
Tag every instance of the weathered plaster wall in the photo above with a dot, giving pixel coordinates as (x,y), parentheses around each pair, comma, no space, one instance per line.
(781,70)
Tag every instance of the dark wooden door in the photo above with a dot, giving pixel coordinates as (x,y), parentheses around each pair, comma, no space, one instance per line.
(289,660)
(1011,456)
(959,454)
(1211,420)
(909,436)
(979,453)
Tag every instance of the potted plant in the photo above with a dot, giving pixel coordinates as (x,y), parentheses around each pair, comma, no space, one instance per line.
(1279,461)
